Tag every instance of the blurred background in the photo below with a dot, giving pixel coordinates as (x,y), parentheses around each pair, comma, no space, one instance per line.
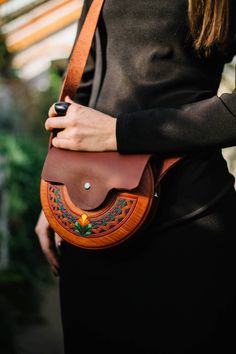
(36,38)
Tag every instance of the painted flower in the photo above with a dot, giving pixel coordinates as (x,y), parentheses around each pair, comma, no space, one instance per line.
(83,226)
(83,220)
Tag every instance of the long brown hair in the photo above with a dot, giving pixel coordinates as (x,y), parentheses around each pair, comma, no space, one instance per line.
(209,23)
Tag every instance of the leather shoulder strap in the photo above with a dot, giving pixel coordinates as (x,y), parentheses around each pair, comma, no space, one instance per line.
(80,52)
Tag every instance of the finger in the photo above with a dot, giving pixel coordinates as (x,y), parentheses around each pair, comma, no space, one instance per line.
(65,134)
(63,143)
(52,112)
(58,240)
(42,230)
(54,265)
(69,100)
(46,244)
(56,123)
(52,258)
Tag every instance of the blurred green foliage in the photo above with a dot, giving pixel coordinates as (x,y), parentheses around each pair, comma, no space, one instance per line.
(21,282)
(24,159)
(23,147)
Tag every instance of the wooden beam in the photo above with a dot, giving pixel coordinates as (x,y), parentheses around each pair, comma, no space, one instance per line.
(47,30)
(40,16)
(23,10)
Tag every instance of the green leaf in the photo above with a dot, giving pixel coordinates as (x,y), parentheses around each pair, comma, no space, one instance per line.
(78,228)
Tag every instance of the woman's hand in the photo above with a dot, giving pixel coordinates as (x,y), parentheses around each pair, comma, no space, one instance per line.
(48,242)
(83,129)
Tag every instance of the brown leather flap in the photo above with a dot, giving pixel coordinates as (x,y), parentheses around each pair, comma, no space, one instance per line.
(103,171)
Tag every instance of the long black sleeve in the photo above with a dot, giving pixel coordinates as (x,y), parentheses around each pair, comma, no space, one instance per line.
(205,124)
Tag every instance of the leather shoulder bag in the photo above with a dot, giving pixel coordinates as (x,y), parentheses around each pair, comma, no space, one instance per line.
(97,200)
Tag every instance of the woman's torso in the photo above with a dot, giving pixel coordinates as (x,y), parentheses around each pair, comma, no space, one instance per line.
(145,59)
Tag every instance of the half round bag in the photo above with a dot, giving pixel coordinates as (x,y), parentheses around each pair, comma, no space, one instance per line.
(97,200)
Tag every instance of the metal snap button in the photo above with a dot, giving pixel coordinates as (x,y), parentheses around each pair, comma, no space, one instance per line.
(87,186)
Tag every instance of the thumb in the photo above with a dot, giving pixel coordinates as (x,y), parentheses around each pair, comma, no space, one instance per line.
(68,99)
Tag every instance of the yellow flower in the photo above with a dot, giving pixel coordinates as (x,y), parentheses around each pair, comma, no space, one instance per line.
(83,220)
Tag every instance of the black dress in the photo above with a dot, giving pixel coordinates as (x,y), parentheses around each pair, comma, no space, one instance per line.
(173,289)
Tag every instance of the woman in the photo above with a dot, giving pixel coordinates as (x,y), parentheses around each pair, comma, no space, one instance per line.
(158,69)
